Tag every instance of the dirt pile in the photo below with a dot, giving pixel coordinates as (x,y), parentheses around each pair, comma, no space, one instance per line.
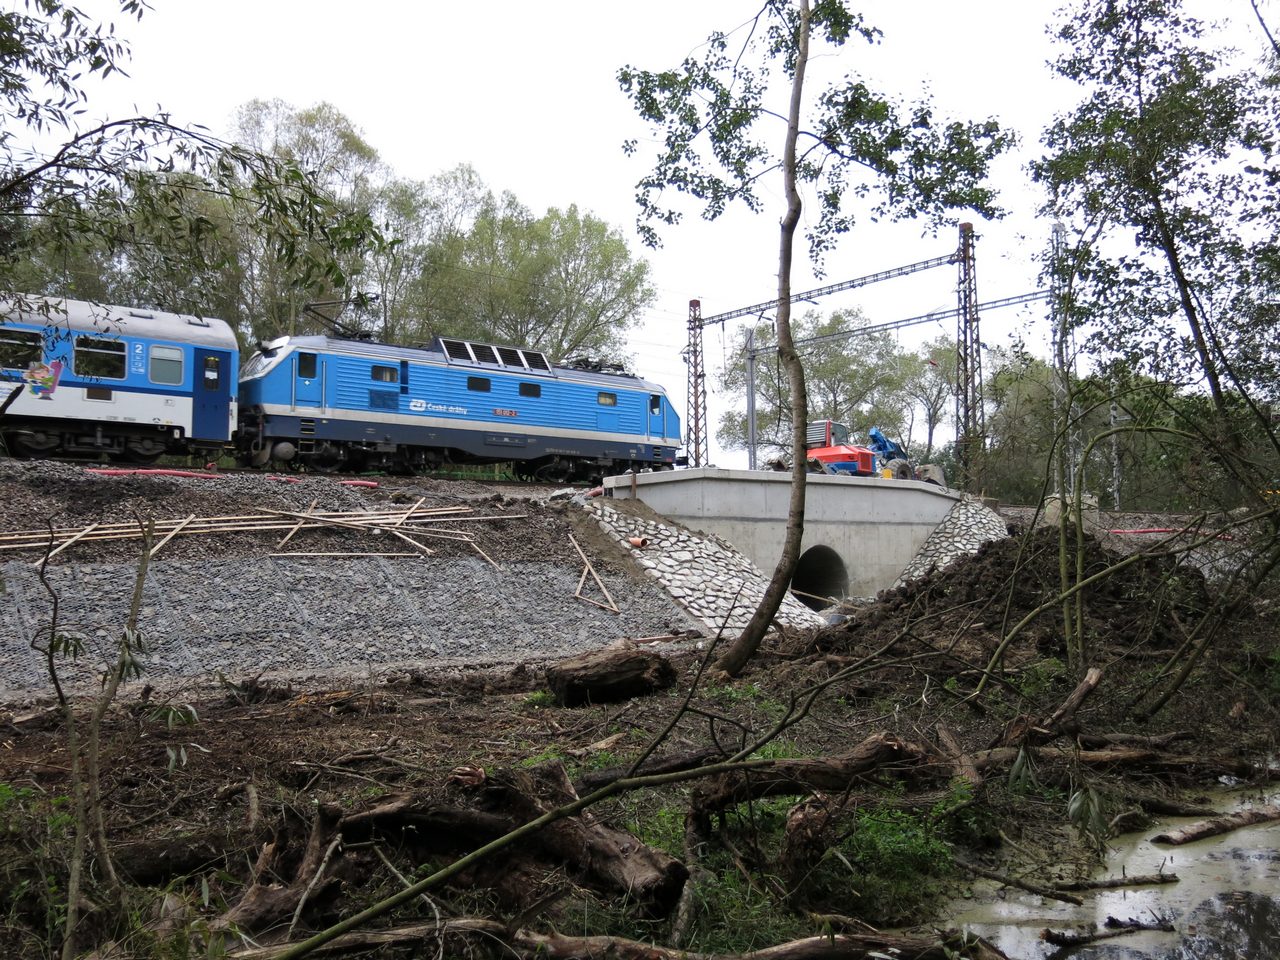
(969,606)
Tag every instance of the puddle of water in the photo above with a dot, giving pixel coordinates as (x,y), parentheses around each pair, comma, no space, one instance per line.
(1225,905)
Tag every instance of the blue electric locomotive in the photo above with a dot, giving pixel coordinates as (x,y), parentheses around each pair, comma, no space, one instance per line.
(329,403)
(97,379)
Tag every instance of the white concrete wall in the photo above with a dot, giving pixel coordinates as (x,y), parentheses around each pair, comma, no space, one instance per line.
(876,526)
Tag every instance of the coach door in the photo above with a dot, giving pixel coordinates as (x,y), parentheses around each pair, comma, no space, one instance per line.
(308,386)
(211,395)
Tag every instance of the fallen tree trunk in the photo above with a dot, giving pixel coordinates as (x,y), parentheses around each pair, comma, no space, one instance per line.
(1218,825)
(1115,928)
(1020,884)
(607,676)
(528,945)
(879,753)
(1152,760)
(612,857)
(156,861)
(1112,883)
(592,780)
(1025,729)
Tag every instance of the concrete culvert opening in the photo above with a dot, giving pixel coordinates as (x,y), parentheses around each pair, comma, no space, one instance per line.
(820,577)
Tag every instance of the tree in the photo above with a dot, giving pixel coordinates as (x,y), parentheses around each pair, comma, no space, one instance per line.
(859,381)
(931,387)
(324,143)
(411,277)
(858,145)
(565,283)
(1176,153)
(81,188)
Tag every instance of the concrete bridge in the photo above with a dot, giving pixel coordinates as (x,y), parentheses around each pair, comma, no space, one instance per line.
(859,534)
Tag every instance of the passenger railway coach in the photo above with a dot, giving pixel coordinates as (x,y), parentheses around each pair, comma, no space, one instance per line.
(133,384)
(332,403)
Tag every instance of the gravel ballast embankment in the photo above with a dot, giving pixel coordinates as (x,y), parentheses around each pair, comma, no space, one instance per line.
(222,606)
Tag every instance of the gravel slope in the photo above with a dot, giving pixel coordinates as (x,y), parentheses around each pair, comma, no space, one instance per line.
(221,605)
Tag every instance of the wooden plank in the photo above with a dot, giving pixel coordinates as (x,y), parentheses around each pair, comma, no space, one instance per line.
(305,554)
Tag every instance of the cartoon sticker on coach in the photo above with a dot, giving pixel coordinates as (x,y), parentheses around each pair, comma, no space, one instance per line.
(42,378)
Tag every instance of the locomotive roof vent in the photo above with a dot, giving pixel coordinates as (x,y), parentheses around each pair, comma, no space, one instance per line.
(464,351)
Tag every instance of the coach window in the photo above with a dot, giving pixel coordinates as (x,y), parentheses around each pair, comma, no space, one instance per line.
(478,383)
(307,366)
(386,374)
(530,389)
(96,357)
(19,348)
(212,373)
(166,365)
(607,399)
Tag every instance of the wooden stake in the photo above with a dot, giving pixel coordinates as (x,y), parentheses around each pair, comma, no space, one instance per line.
(408,539)
(613,607)
(297,526)
(408,513)
(169,536)
(62,546)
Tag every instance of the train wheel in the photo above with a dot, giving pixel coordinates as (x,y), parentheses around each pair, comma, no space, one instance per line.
(325,458)
(143,451)
(35,443)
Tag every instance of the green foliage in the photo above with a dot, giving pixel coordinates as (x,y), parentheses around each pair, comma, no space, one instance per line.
(35,838)
(861,381)
(1040,677)
(710,116)
(553,752)
(1022,773)
(1087,813)
(540,699)
(140,203)
(661,826)
(1165,173)
(734,916)
(886,869)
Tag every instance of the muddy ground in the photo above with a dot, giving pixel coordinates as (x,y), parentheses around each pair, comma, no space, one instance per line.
(209,798)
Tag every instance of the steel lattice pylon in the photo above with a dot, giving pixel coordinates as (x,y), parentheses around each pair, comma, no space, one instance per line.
(697,441)
(971,425)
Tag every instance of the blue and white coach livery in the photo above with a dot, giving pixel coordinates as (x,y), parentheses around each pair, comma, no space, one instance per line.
(97,379)
(330,403)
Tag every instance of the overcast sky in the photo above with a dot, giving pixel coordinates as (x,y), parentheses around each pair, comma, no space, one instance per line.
(526,93)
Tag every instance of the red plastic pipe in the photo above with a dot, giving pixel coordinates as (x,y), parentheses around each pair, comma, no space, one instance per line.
(158,472)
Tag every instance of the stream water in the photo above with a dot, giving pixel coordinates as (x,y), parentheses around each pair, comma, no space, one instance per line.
(1225,905)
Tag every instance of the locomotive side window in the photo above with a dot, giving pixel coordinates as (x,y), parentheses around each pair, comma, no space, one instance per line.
(385,374)
(307,365)
(478,383)
(96,357)
(607,399)
(166,365)
(655,403)
(19,348)
(530,389)
(212,373)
